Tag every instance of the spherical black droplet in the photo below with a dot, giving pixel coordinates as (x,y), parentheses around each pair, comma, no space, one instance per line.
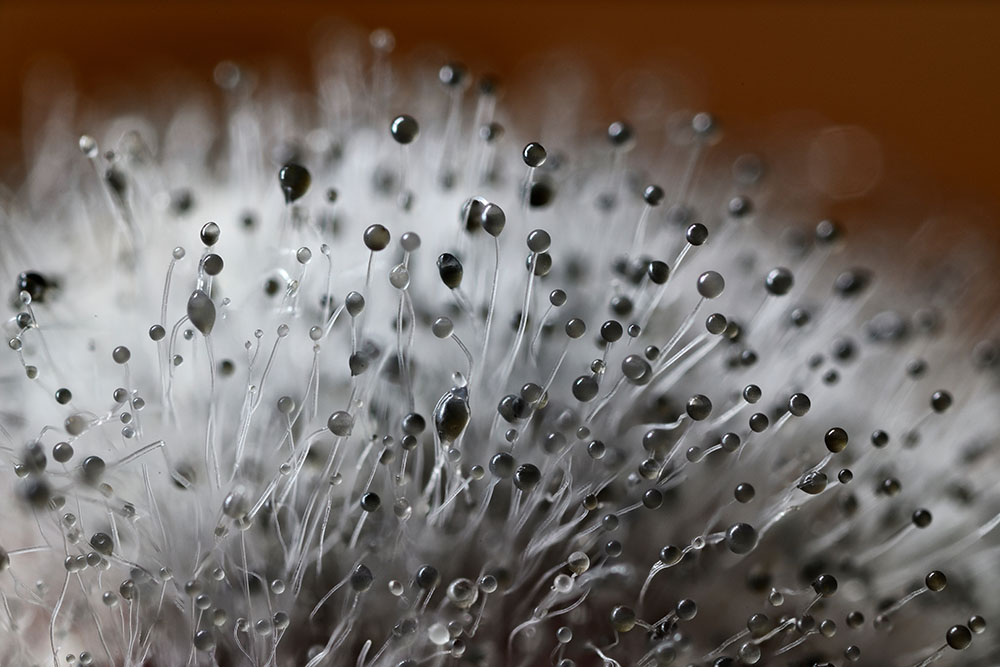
(294,180)
(652,499)
(527,476)
(213,264)
(835,439)
(611,331)
(653,195)
(779,281)
(825,585)
(799,404)
(370,502)
(716,323)
(744,492)
(759,422)
(502,465)
(922,518)
(699,407)
(940,400)
(741,538)
(63,396)
(959,637)
(623,618)
(534,155)
(376,237)
(585,388)
(658,272)
(404,129)
(362,578)
(696,234)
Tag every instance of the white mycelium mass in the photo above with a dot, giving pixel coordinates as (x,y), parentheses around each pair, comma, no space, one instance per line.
(335,386)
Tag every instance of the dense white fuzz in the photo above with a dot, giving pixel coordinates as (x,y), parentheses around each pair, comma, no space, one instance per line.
(376,378)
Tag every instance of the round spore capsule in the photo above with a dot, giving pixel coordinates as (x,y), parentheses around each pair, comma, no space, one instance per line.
(527,476)
(711,284)
(699,407)
(936,581)
(539,241)
(959,637)
(779,281)
(716,323)
(502,465)
(450,269)
(744,492)
(623,618)
(213,264)
(741,538)
(687,609)
(370,502)
(340,423)
(493,219)
(835,440)
(585,388)
(940,401)
(362,578)
(825,585)
(294,180)
(427,577)
(653,195)
(404,129)
(658,271)
(799,404)
(121,355)
(922,518)
(534,155)
(696,234)
(376,237)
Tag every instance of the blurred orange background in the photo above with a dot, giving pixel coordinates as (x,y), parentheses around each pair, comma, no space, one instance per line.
(924,78)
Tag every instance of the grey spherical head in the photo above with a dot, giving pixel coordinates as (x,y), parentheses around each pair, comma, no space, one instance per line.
(502,465)
(799,404)
(779,281)
(355,303)
(696,234)
(210,234)
(410,241)
(711,284)
(576,327)
(539,240)
(493,219)
(201,311)
(213,264)
(442,327)
(340,423)
(376,237)
(534,155)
